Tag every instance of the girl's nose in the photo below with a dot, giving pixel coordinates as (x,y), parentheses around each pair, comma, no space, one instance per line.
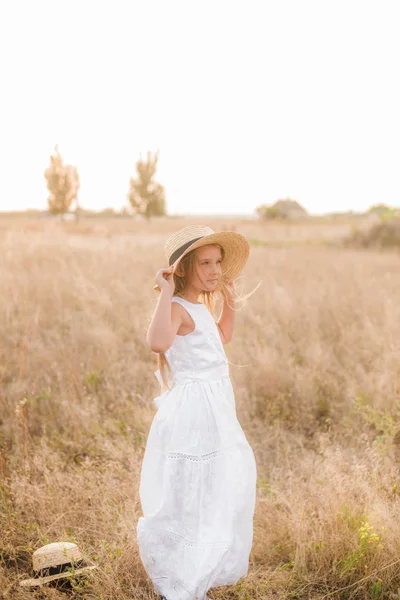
(217,270)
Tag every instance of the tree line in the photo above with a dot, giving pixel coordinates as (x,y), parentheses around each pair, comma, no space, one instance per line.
(145,195)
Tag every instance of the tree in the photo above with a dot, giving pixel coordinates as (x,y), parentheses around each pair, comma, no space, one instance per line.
(146,196)
(62,183)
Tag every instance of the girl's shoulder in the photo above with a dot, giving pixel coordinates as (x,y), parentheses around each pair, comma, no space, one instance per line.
(180,307)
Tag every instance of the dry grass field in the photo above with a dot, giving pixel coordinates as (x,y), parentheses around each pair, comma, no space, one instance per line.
(315,364)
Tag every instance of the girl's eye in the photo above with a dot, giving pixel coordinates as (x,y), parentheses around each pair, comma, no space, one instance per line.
(206,262)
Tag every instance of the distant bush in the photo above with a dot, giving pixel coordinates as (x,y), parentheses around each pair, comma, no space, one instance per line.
(268,212)
(282,209)
(380,235)
(384,211)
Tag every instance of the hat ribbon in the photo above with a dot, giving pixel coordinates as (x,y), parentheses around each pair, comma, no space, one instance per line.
(45,572)
(182,249)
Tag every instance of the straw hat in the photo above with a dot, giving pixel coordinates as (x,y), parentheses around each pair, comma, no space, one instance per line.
(52,562)
(236,248)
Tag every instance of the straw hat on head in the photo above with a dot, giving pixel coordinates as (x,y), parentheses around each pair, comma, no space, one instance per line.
(235,245)
(52,561)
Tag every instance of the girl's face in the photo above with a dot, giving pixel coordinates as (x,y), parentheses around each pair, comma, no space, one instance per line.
(208,270)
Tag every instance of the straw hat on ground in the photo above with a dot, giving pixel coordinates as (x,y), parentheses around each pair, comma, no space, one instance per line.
(52,561)
(236,248)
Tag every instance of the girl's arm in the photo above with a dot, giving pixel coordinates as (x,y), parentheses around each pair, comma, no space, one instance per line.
(226,321)
(166,318)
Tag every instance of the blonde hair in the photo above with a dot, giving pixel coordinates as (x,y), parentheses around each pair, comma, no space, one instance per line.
(182,276)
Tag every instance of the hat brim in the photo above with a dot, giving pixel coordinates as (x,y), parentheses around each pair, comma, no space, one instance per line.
(41,580)
(237,250)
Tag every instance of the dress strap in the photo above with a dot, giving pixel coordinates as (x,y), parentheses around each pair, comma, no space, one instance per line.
(186,302)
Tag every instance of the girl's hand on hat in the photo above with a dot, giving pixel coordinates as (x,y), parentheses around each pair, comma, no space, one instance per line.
(165,279)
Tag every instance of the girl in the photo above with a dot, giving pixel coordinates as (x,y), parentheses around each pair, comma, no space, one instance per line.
(198,478)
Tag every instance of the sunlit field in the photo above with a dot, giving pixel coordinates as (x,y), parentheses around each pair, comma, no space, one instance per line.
(315,364)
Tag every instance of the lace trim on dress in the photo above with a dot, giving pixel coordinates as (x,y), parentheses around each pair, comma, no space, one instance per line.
(199,457)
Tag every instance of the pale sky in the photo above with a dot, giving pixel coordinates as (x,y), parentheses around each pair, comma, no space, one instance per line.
(247,102)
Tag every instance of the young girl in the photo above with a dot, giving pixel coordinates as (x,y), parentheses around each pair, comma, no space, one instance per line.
(198,479)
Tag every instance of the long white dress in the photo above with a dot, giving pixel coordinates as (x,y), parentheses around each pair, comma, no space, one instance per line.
(198,477)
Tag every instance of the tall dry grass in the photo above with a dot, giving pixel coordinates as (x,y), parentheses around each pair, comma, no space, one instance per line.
(315,363)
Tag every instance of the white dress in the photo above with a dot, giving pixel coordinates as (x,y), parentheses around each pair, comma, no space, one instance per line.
(198,478)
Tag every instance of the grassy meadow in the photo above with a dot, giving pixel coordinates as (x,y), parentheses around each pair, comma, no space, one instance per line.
(315,364)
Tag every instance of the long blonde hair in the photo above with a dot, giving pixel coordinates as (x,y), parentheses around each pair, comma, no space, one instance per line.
(182,276)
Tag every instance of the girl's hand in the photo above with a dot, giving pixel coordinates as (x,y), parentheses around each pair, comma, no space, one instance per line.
(229,292)
(165,279)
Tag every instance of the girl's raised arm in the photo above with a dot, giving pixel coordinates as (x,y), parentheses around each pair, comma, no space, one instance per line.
(166,321)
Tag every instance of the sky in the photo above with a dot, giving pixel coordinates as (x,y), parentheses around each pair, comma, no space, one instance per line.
(247,102)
